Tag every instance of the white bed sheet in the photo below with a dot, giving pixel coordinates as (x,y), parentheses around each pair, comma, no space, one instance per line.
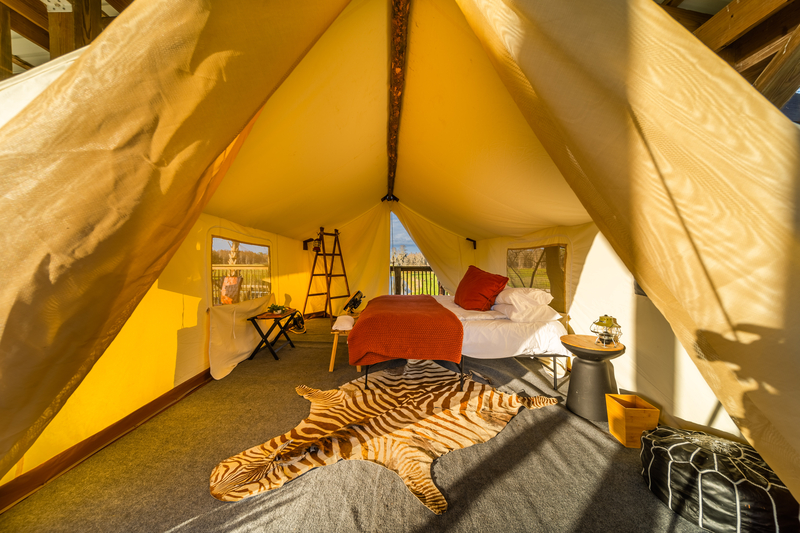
(491,335)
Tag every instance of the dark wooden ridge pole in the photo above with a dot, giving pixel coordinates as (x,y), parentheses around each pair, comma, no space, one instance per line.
(397,81)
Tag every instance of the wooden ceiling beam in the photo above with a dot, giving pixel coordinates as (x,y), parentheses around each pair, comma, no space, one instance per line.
(672,3)
(119,5)
(21,62)
(736,19)
(397,80)
(30,31)
(691,20)
(758,45)
(781,79)
(761,55)
(6,70)
(33,10)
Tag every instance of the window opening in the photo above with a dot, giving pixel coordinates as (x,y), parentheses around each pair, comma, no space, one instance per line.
(239,271)
(540,268)
(410,272)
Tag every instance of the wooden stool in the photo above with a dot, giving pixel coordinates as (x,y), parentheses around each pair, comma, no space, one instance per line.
(336,333)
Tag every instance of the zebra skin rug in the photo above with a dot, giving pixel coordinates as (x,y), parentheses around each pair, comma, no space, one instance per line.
(408,418)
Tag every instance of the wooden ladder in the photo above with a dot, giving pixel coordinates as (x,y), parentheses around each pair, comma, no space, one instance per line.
(328,273)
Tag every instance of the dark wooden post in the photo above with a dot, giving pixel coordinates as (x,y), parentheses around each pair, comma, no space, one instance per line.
(398,280)
(86,16)
(6,70)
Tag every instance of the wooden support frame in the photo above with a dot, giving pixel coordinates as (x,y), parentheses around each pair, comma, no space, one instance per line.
(86,21)
(32,10)
(119,5)
(781,79)
(21,62)
(27,29)
(397,80)
(691,20)
(753,50)
(62,34)
(759,38)
(6,65)
(736,19)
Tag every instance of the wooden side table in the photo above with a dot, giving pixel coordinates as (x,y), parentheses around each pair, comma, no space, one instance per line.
(592,376)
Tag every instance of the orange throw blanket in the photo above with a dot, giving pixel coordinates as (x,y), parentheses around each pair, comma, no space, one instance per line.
(405,327)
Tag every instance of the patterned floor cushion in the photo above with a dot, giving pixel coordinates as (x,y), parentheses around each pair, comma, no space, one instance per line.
(718,484)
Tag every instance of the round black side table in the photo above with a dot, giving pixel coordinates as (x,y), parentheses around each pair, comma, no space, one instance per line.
(592,376)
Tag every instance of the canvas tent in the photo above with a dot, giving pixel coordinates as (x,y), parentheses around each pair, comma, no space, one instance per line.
(524,123)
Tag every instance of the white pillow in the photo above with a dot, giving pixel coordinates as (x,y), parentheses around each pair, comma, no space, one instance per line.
(530,313)
(524,297)
(344,323)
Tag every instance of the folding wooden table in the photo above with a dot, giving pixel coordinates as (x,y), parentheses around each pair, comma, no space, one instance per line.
(276,322)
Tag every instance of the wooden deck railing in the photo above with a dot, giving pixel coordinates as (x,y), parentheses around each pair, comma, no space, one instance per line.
(255,281)
(415,280)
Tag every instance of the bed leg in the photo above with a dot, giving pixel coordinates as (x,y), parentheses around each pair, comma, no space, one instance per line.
(366,378)
(461,367)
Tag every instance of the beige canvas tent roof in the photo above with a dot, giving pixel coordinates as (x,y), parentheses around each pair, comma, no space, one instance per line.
(523,124)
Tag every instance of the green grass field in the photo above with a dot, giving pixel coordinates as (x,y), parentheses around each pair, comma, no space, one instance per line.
(521,277)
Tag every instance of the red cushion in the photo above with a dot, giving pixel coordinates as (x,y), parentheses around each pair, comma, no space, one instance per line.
(478,289)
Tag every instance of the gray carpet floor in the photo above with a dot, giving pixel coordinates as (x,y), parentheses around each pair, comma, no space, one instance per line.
(548,470)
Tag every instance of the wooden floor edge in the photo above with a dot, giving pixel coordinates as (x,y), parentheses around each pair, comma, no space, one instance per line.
(21,487)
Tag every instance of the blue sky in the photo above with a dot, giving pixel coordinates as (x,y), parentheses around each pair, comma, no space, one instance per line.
(218,243)
(401,237)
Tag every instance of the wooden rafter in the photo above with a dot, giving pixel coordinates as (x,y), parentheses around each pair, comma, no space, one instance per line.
(781,79)
(119,5)
(397,80)
(691,20)
(29,30)
(21,62)
(6,70)
(33,10)
(754,49)
(736,19)
(673,3)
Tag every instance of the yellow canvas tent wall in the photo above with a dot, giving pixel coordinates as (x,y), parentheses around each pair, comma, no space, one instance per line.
(523,124)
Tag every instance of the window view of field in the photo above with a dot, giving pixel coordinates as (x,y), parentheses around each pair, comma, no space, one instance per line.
(410,272)
(540,268)
(239,271)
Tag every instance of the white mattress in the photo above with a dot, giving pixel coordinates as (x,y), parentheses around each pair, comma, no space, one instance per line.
(491,335)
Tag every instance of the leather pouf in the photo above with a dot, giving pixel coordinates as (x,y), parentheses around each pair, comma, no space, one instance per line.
(718,484)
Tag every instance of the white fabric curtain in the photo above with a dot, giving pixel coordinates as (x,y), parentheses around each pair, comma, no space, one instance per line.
(689,173)
(449,254)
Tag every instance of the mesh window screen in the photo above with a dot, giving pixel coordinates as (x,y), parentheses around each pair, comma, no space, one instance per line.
(540,268)
(239,271)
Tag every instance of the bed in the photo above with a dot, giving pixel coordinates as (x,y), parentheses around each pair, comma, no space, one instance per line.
(492,335)
(435,327)
(405,327)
